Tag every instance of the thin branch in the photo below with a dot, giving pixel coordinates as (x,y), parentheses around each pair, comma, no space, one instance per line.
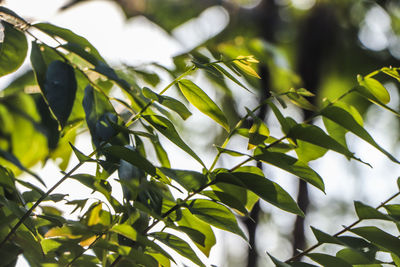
(66,176)
(89,247)
(301,254)
(43,197)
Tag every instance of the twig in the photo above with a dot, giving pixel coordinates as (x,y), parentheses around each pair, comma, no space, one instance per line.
(301,254)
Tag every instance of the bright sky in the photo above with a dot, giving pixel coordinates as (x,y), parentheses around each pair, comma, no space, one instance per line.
(138,40)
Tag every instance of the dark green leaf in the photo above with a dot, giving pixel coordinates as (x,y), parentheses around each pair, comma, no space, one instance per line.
(379,237)
(73,39)
(79,204)
(178,245)
(277,262)
(203,102)
(190,180)
(60,89)
(41,56)
(225,198)
(328,260)
(258,133)
(355,257)
(99,112)
(316,136)
(162,155)
(231,77)
(190,221)
(264,188)
(133,157)
(292,165)
(93,183)
(367,212)
(285,124)
(165,127)
(13,49)
(324,237)
(393,210)
(168,102)
(230,152)
(9,254)
(54,219)
(347,121)
(81,157)
(14,160)
(216,215)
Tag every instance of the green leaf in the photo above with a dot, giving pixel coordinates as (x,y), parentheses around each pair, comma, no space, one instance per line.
(95,184)
(60,89)
(13,49)
(203,102)
(190,180)
(355,257)
(245,66)
(41,56)
(328,260)
(393,210)
(14,160)
(316,136)
(50,245)
(347,121)
(133,157)
(301,101)
(238,191)
(285,124)
(258,133)
(81,157)
(125,230)
(324,237)
(277,262)
(99,116)
(178,245)
(264,188)
(379,237)
(216,215)
(161,154)
(71,38)
(375,88)
(230,76)
(227,199)
(307,152)
(188,220)
(396,259)
(168,102)
(229,152)
(291,165)
(398,183)
(367,212)
(165,127)
(9,254)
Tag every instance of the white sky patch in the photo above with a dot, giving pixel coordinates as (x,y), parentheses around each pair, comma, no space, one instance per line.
(197,30)
(376,29)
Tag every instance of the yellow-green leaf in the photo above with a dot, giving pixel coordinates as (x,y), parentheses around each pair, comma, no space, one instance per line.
(203,102)
(375,88)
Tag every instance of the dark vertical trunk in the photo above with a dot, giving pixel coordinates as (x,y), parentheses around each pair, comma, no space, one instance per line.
(252,222)
(317,40)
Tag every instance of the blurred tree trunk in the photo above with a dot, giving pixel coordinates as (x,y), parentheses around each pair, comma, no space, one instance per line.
(316,42)
(266,19)
(252,222)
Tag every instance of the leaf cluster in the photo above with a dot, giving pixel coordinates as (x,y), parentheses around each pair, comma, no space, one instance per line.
(72,91)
